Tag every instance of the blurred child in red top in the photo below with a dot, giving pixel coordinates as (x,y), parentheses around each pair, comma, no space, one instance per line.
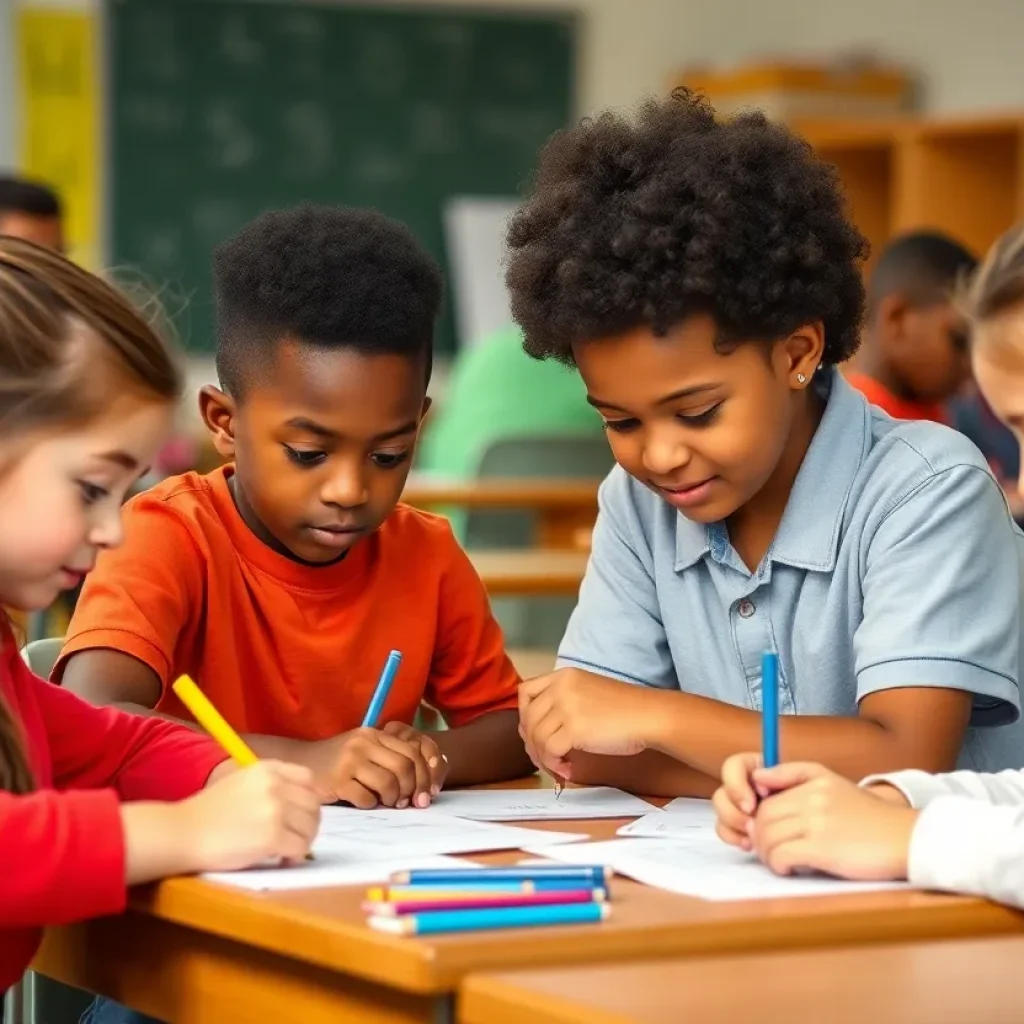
(914,358)
(93,800)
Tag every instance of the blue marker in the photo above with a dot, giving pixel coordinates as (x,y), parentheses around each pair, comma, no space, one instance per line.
(380,695)
(770,708)
(437,921)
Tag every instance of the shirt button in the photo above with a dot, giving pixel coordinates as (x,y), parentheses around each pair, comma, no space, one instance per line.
(746,609)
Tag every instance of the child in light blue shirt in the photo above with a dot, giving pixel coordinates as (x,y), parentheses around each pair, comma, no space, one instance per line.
(705,280)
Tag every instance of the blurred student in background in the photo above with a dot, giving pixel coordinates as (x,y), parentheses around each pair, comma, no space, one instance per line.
(32,211)
(914,358)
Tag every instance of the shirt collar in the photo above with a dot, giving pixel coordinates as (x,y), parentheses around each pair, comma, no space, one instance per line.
(808,536)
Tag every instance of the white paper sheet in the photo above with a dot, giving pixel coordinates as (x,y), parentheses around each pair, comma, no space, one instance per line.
(701,867)
(681,819)
(418,833)
(541,804)
(330,868)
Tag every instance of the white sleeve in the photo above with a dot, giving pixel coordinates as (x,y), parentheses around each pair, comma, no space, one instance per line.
(966,846)
(1005,789)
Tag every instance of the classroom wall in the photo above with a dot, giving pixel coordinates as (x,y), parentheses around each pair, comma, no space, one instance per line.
(967,54)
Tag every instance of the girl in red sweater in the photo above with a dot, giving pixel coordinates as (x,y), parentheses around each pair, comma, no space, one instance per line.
(94,800)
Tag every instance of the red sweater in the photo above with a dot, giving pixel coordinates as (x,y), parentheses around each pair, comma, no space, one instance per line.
(62,855)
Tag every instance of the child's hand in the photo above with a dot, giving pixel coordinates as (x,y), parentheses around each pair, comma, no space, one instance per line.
(575,710)
(824,822)
(370,768)
(735,800)
(268,811)
(437,763)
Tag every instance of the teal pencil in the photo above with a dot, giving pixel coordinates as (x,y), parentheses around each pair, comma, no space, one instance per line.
(441,921)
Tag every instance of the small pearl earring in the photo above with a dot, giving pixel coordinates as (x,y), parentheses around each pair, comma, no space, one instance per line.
(801,379)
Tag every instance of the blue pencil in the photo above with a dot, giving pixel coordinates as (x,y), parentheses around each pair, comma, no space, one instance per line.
(509,885)
(435,922)
(770,708)
(589,875)
(380,695)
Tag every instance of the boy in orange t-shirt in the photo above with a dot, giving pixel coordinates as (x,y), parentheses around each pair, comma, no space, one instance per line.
(914,358)
(282,581)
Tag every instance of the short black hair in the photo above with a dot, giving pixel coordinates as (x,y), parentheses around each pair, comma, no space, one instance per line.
(20,195)
(328,276)
(644,222)
(925,266)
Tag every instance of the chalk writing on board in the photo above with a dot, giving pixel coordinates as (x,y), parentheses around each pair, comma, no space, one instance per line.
(433,129)
(154,114)
(237,43)
(233,145)
(310,139)
(158,36)
(378,168)
(382,64)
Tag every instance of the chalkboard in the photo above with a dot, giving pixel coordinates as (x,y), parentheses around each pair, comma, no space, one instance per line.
(220,109)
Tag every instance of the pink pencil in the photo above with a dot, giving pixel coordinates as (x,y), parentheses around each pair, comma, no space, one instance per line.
(488,902)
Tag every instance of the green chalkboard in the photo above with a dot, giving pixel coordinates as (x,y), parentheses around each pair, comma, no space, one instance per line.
(220,109)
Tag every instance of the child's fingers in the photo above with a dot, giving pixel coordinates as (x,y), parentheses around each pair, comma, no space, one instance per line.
(728,814)
(736,780)
(731,836)
(786,776)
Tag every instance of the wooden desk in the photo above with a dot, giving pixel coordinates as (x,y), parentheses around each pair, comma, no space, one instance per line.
(563,506)
(188,950)
(963,981)
(530,572)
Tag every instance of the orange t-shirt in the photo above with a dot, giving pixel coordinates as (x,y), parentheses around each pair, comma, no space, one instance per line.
(286,649)
(898,408)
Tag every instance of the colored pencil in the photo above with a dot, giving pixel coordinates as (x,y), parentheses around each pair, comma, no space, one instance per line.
(455,890)
(484,901)
(380,694)
(589,875)
(437,922)
(214,723)
(770,708)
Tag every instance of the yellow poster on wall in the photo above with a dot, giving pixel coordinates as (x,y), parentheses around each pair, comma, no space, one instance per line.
(59,91)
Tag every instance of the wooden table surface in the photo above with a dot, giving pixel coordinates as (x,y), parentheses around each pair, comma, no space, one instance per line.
(502,493)
(960,981)
(530,571)
(189,950)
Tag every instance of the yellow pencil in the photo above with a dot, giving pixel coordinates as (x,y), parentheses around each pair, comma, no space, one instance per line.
(214,723)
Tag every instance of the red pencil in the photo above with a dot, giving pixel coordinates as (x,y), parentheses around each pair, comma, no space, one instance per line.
(488,902)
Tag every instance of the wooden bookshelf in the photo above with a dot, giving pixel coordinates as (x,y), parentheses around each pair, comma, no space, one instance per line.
(963,177)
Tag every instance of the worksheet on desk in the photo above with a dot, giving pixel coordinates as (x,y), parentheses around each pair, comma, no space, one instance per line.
(415,832)
(701,867)
(541,804)
(684,818)
(329,869)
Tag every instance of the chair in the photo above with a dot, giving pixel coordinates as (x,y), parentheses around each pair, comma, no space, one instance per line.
(538,621)
(42,655)
(38,1000)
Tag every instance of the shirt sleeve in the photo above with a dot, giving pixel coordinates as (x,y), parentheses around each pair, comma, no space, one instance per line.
(942,595)
(966,846)
(921,788)
(470,673)
(616,629)
(141,595)
(68,861)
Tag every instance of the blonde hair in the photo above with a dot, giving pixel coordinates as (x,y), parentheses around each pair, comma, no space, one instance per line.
(66,339)
(998,284)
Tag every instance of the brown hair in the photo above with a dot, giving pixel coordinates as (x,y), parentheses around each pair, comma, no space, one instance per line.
(66,339)
(998,284)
